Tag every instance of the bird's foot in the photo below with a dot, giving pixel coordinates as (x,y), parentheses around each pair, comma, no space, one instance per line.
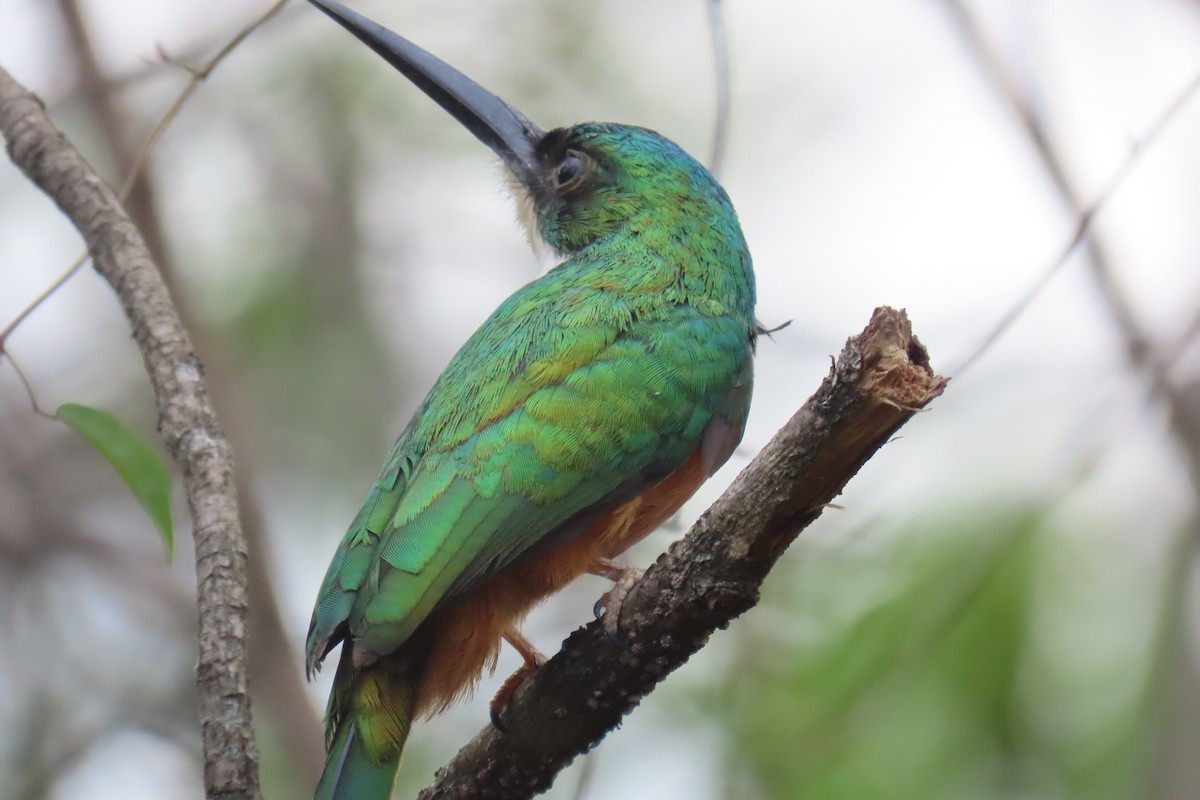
(533,662)
(608,607)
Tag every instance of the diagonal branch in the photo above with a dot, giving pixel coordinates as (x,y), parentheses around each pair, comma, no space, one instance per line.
(1139,347)
(707,578)
(187,423)
(140,200)
(1176,670)
(274,666)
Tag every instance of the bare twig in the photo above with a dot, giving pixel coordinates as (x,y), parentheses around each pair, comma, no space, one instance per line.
(41,298)
(1138,346)
(1175,671)
(199,75)
(720,48)
(1085,218)
(1122,313)
(707,578)
(154,69)
(280,695)
(33,401)
(142,157)
(186,420)
(1191,331)
(139,197)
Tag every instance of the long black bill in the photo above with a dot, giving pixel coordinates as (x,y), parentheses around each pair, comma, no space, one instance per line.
(508,132)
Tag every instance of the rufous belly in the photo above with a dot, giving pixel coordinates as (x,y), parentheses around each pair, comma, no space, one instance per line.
(466,634)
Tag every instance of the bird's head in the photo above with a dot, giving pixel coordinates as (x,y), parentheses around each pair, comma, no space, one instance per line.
(573,185)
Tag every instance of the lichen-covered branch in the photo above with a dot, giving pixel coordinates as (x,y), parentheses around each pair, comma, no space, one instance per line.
(186,421)
(707,578)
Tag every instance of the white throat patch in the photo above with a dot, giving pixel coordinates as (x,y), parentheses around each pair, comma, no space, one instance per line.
(547,257)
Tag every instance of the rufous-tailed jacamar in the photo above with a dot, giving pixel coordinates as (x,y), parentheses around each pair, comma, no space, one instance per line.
(590,405)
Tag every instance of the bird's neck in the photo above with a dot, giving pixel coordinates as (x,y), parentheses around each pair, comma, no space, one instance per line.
(705,265)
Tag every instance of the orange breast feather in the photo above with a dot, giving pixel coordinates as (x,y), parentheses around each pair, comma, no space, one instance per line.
(466,634)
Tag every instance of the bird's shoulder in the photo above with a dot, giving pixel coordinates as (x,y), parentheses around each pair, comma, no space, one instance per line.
(578,384)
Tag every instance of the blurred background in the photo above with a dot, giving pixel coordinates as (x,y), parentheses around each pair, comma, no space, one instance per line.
(1006,606)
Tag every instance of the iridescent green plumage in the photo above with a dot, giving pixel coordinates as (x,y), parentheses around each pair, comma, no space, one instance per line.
(583,391)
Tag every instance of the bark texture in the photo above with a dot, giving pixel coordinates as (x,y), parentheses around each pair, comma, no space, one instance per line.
(708,577)
(186,421)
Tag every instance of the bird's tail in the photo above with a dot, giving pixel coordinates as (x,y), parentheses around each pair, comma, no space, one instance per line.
(370,712)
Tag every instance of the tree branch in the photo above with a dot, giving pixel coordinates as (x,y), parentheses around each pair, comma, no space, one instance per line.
(97,93)
(1139,347)
(186,421)
(707,578)
(274,665)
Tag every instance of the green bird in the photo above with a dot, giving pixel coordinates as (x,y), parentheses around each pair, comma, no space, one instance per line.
(588,407)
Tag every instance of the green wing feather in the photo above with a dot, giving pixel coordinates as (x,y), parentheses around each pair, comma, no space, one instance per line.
(538,418)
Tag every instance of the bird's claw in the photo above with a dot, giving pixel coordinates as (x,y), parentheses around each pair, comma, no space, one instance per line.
(504,696)
(494,713)
(603,615)
(608,607)
(534,661)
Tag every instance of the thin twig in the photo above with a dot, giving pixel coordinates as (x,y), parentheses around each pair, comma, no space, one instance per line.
(1184,341)
(150,69)
(1142,355)
(33,401)
(143,155)
(1180,401)
(186,420)
(139,200)
(1083,224)
(199,75)
(41,298)
(989,59)
(280,694)
(720,48)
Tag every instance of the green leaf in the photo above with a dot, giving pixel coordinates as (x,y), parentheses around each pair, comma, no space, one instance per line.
(135,459)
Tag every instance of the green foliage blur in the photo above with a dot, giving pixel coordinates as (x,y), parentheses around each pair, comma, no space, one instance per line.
(948,660)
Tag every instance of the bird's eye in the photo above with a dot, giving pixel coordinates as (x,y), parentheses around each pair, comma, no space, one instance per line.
(570,170)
